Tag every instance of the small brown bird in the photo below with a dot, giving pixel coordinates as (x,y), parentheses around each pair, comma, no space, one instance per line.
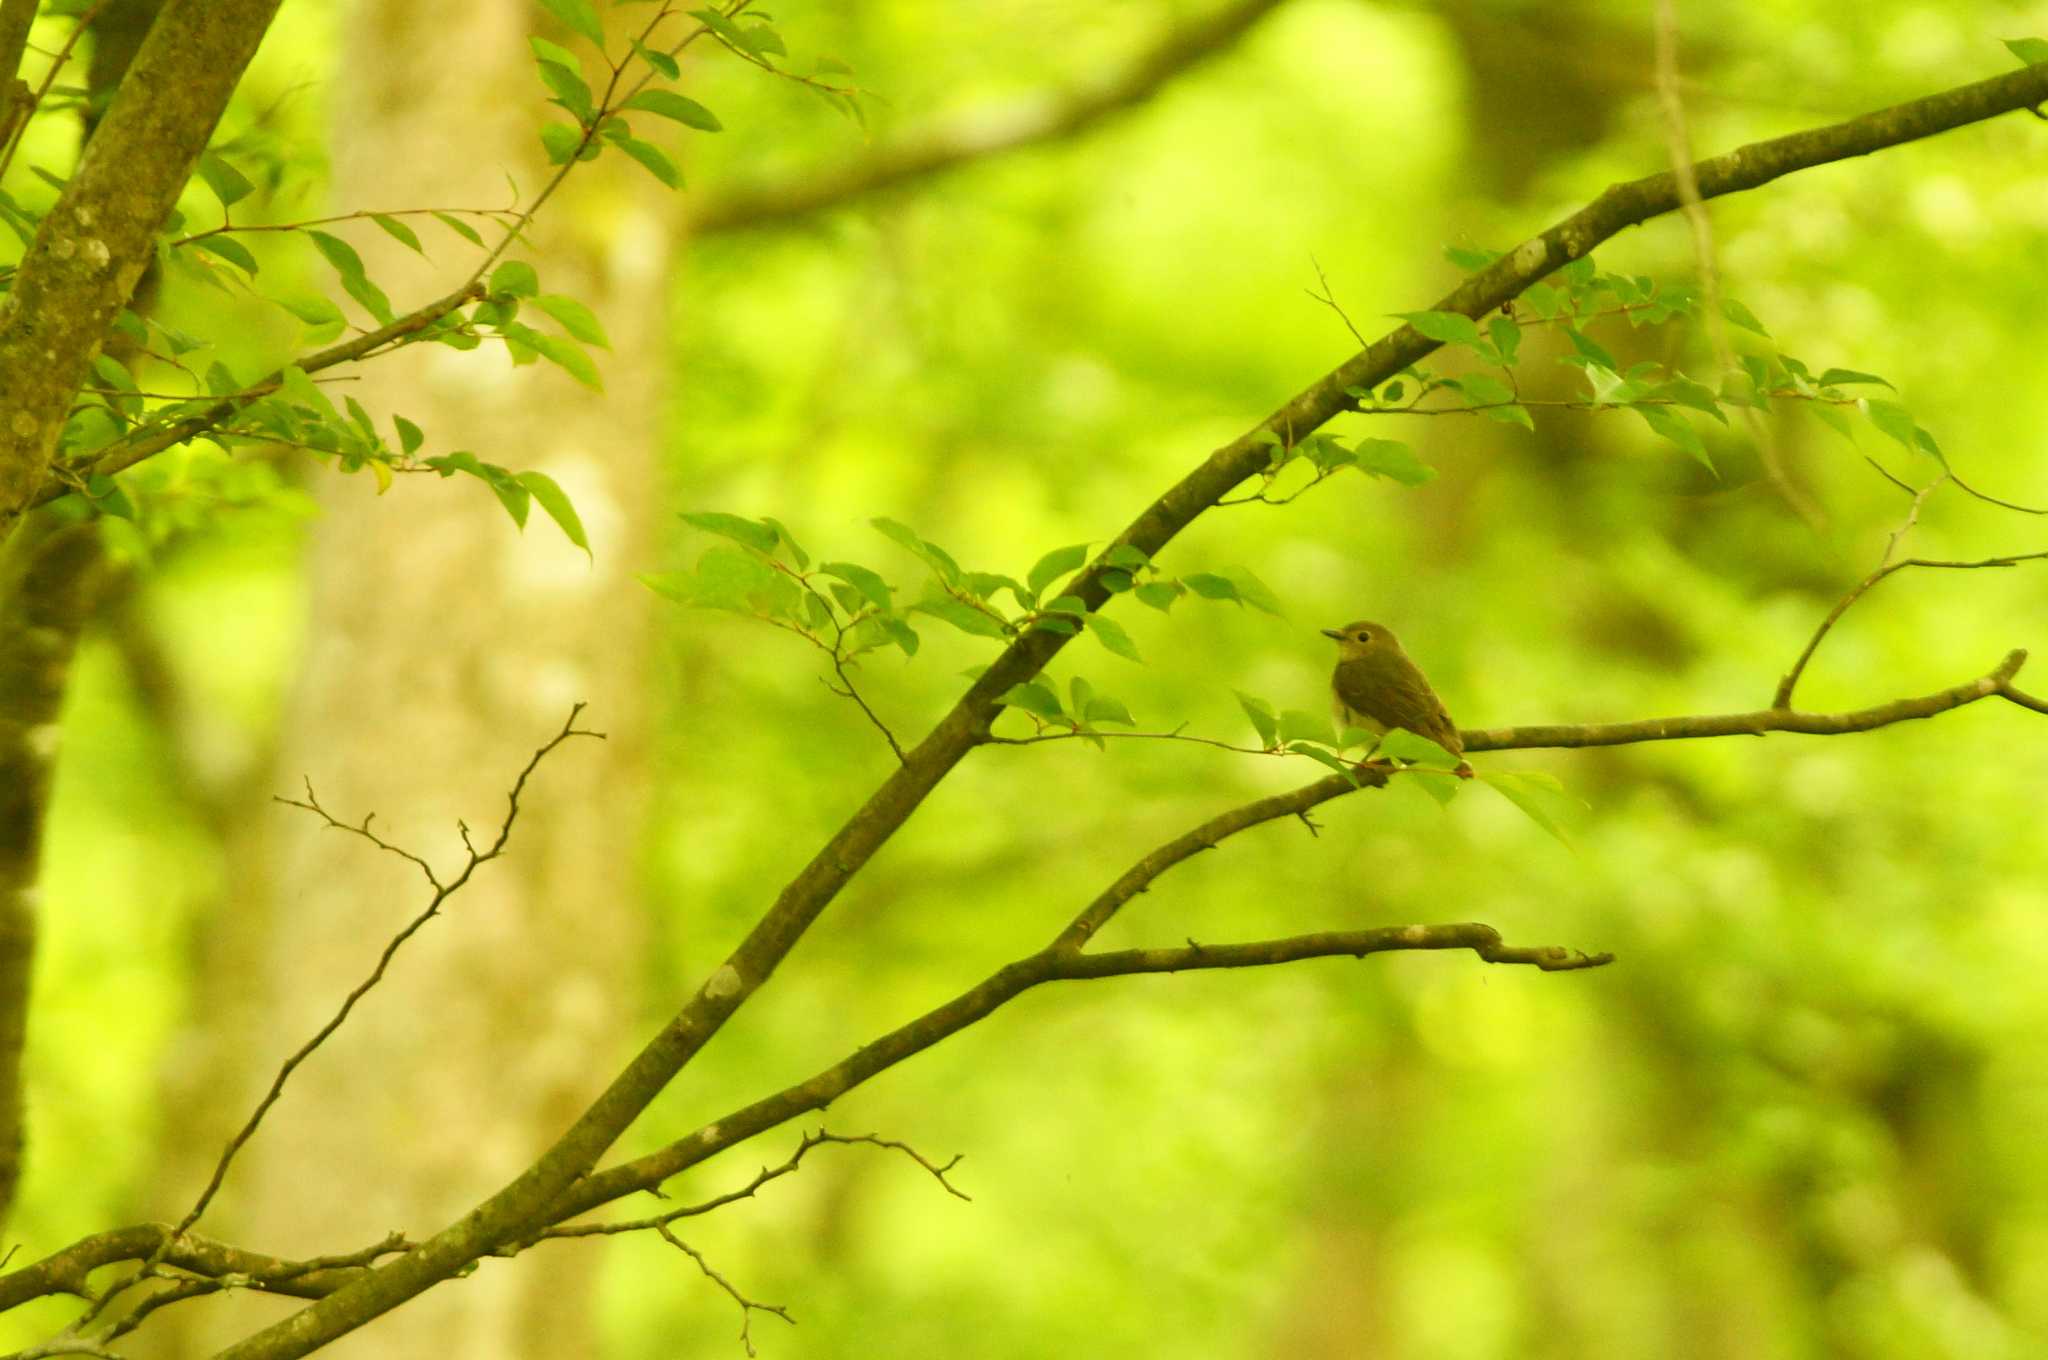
(1376,687)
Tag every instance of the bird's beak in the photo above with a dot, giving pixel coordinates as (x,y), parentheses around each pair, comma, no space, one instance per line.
(1333,634)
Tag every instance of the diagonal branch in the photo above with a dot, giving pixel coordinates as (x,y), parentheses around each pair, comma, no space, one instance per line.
(980,134)
(520,1204)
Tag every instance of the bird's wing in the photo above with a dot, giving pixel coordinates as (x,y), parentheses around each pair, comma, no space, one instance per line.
(1391,690)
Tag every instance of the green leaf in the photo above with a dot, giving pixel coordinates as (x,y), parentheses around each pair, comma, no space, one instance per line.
(354,281)
(1054,565)
(1506,336)
(460,227)
(1127,557)
(106,497)
(1742,316)
(751,533)
(1413,749)
(574,318)
(902,634)
(409,436)
(338,252)
(298,389)
(669,104)
(933,556)
(579,15)
(1588,348)
(1835,377)
(229,185)
(1697,396)
(1896,421)
(545,51)
(1678,430)
(565,354)
(868,583)
(399,232)
(788,540)
(2030,51)
(727,579)
(720,25)
(1111,634)
(1160,595)
(561,142)
(1322,757)
(568,88)
(514,497)
(1034,697)
(1210,586)
(964,617)
(1541,798)
(651,156)
(229,249)
(1469,258)
(1254,592)
(1261,714)
(1392,458)
(763,40)
(1512,415)
(1441,785)
(1299,725)
(515,277)
(1833,419)
(1103,709)
(1448,328)
(1483,388)
(660,61)
(553,500)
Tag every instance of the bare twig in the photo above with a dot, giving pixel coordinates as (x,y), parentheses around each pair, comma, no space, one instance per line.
(761,1178)
(442,891)
(20,115)
(1329,299)
(1782,699)
(748,1307)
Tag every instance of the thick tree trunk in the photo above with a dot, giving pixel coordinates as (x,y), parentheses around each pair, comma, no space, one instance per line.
(444,647)
(50,578)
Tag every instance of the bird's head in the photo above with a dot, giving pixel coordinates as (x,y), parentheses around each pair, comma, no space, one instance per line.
(1361,638)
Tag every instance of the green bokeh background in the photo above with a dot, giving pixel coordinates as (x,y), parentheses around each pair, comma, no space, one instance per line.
(1799,1117)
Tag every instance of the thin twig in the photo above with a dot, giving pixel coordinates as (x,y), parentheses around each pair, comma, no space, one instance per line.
(1695,212)
(748,1307)
(442,891)
(1329,299)
(20,128)
(1782,699)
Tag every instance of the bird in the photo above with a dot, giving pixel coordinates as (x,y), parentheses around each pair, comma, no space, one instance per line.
(1376,687)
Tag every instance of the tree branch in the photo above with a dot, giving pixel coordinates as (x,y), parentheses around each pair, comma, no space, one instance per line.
(99,237)
(983,133)
(528,1197)
(147,442)
(1063,958)
(68,1271)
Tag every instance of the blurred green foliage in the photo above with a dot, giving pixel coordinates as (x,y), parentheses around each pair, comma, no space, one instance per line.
(1796,1119)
